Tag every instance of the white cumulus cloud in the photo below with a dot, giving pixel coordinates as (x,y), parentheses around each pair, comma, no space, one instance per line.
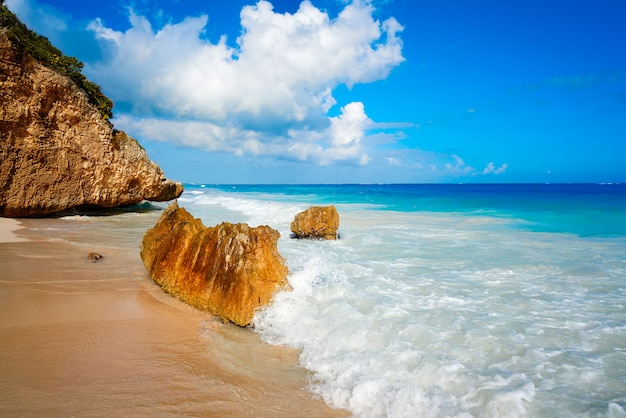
(342,140)
(270,93)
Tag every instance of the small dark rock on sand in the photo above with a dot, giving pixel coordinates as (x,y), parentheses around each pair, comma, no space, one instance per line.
(94,257)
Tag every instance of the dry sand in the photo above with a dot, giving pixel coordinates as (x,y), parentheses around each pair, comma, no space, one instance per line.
(79,338)
(7,226)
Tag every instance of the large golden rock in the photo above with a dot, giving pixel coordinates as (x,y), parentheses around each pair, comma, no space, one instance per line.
(57,151)
(317,222)
(229,270)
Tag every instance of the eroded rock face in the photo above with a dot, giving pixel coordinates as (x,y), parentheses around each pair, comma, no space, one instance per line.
(317,222)
(229,270)
(57,151)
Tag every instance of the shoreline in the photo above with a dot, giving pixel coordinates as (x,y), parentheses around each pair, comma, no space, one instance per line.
(101,339)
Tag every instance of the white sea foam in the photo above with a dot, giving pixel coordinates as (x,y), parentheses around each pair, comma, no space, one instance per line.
(433,315)
(218,207)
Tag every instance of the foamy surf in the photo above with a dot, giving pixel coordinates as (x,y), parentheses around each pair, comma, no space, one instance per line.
(448,314)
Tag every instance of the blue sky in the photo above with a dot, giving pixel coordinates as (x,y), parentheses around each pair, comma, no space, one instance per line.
(331,91)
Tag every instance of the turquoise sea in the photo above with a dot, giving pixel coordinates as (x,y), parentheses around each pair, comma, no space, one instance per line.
(449,300)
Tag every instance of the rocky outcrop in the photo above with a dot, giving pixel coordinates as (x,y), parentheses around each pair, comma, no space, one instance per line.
(317,222)
(58,152)
(229,270)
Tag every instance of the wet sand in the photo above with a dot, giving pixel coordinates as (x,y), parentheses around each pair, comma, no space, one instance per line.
(79,338)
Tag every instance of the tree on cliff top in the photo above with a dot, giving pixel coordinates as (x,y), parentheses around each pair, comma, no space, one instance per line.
(43,51)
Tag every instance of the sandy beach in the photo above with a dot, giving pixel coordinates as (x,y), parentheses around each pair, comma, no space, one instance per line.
(80,338)
(7,226)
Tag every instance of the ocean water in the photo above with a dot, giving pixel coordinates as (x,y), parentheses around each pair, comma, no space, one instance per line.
(449,300)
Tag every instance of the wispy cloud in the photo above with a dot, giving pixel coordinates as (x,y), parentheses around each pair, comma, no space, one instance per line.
(432,166)
(580,82)
(458,167)
(490,168)
(38,15)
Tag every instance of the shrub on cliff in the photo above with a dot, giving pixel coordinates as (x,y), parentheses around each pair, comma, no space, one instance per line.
(43,51)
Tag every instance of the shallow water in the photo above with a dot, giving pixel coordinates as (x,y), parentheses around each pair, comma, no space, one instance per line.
(449,311)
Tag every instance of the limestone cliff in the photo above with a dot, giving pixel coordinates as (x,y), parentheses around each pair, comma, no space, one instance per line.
(57,151)
(229,270)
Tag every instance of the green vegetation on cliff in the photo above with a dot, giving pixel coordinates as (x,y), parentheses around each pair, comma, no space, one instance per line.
(43,51)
